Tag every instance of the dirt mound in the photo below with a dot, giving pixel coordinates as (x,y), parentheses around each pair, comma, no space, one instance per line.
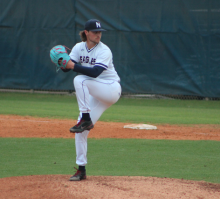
(57,186)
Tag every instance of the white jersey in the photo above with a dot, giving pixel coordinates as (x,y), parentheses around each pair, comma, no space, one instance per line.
(99,55)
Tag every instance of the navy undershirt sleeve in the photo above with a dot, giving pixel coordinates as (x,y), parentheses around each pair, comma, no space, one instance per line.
(91,72)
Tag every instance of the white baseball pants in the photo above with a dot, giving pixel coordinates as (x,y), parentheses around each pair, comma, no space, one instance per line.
(94,96)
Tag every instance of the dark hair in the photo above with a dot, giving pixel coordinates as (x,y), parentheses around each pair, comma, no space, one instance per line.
(83,35)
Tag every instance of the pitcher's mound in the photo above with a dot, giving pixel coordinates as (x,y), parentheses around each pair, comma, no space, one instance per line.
(58,186)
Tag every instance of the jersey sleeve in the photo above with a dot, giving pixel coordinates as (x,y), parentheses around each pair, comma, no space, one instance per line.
(104,59)
(74,53)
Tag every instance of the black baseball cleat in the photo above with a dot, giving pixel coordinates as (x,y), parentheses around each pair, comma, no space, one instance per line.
(82,126)
(79,175)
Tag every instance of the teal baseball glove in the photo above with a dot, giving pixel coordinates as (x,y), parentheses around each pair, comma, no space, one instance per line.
(59,56)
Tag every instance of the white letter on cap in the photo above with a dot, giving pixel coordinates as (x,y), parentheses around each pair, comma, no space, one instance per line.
(98,25)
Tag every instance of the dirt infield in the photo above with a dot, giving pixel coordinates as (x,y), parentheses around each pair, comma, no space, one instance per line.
(58,186)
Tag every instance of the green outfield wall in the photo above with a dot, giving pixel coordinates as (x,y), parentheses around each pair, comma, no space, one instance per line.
(169,47)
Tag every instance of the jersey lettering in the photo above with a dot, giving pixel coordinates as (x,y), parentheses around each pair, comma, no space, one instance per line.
(86,59)
(93,61)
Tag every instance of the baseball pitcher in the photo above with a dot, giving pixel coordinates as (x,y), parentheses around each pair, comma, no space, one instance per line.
(96,89)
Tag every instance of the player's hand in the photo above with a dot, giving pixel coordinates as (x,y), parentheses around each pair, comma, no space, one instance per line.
(70,65)
(60,61)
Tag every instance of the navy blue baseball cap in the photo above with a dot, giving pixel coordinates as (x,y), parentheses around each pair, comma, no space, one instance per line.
(93,25)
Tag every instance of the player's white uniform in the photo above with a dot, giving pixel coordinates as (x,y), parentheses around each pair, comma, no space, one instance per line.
(94,95)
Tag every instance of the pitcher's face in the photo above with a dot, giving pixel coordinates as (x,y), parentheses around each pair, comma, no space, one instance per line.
(93,37)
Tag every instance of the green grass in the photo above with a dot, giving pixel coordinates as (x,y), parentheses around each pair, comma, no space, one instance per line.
(194,160)
(39,105)
(164,111)
(125,110)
